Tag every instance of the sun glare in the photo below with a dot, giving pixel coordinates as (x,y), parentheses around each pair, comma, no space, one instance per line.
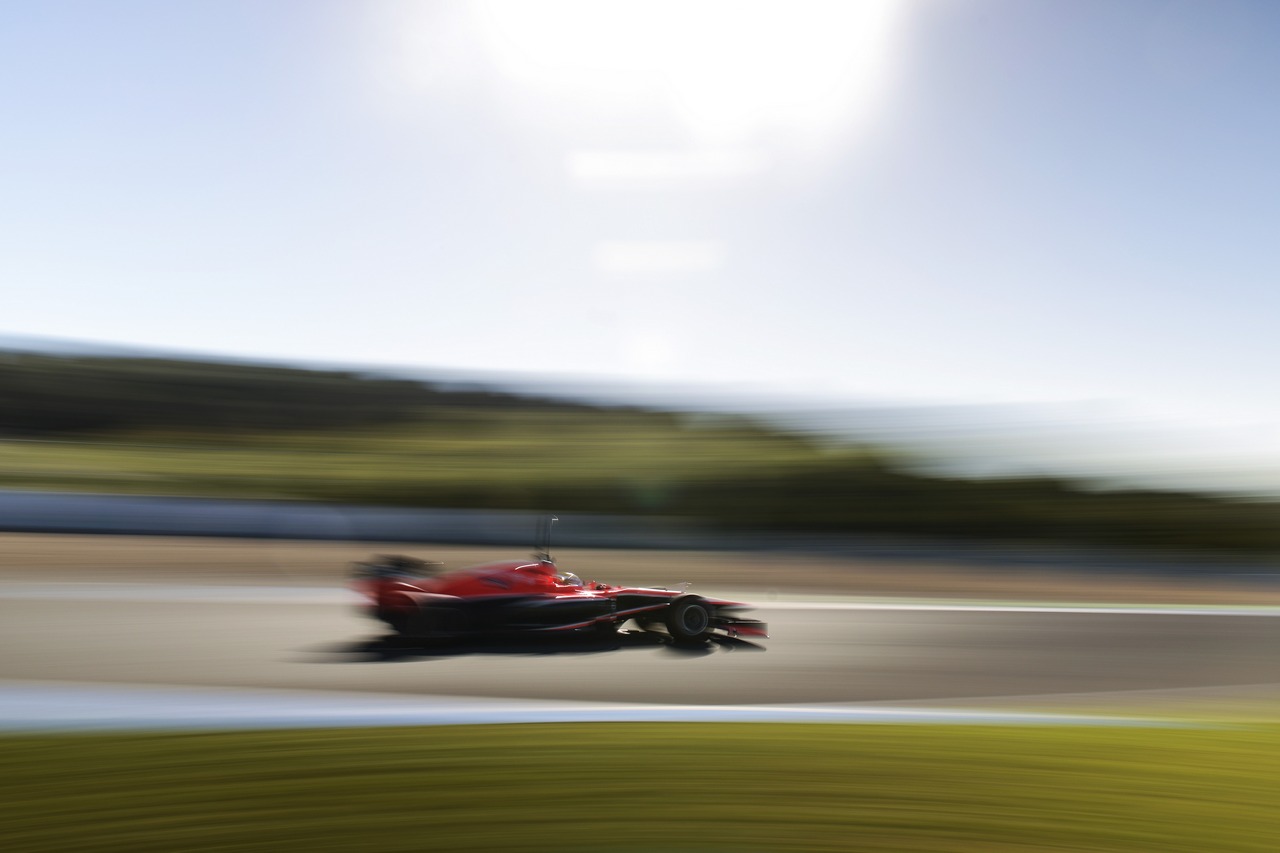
(728,71)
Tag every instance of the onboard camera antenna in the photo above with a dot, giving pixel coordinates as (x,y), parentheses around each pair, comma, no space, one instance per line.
(543,543)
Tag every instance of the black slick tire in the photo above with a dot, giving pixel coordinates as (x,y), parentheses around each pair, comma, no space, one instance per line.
(688,620)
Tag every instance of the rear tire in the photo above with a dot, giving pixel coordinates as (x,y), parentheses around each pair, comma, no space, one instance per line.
(424,624)
(689,620)
(409,624)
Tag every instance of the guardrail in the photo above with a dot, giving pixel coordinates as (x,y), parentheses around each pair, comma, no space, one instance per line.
(69,512)
(65,512)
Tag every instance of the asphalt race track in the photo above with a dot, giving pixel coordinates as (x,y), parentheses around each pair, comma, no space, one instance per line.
(308,640)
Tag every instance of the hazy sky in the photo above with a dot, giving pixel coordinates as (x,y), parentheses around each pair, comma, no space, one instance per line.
(939,200)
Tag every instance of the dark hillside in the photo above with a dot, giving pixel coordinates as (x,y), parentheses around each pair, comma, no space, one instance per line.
(50,394)
(166,426)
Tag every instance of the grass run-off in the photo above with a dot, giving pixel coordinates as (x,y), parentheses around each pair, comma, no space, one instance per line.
(648,787)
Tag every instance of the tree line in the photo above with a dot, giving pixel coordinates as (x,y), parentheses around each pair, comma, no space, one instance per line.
(43,395)
(93,398)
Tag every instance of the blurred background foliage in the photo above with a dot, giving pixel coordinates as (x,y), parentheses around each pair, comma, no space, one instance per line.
(176,427)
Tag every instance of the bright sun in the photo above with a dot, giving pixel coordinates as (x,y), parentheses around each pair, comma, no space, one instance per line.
(730,70)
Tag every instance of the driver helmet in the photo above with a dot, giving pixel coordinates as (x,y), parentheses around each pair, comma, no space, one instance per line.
(568,579)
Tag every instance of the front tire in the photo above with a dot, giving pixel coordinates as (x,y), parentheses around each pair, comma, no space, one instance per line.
(689,620)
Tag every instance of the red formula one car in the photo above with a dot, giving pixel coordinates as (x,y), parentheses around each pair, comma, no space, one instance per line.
(419,601)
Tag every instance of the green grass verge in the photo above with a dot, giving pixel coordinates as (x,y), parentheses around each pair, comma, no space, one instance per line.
(647,787)
(615,460)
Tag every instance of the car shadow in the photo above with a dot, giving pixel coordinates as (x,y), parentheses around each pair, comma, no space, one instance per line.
(391,647)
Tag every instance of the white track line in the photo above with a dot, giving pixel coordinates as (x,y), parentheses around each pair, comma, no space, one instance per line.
(1011,607)
(60,706)
(178,593)
(277,595)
